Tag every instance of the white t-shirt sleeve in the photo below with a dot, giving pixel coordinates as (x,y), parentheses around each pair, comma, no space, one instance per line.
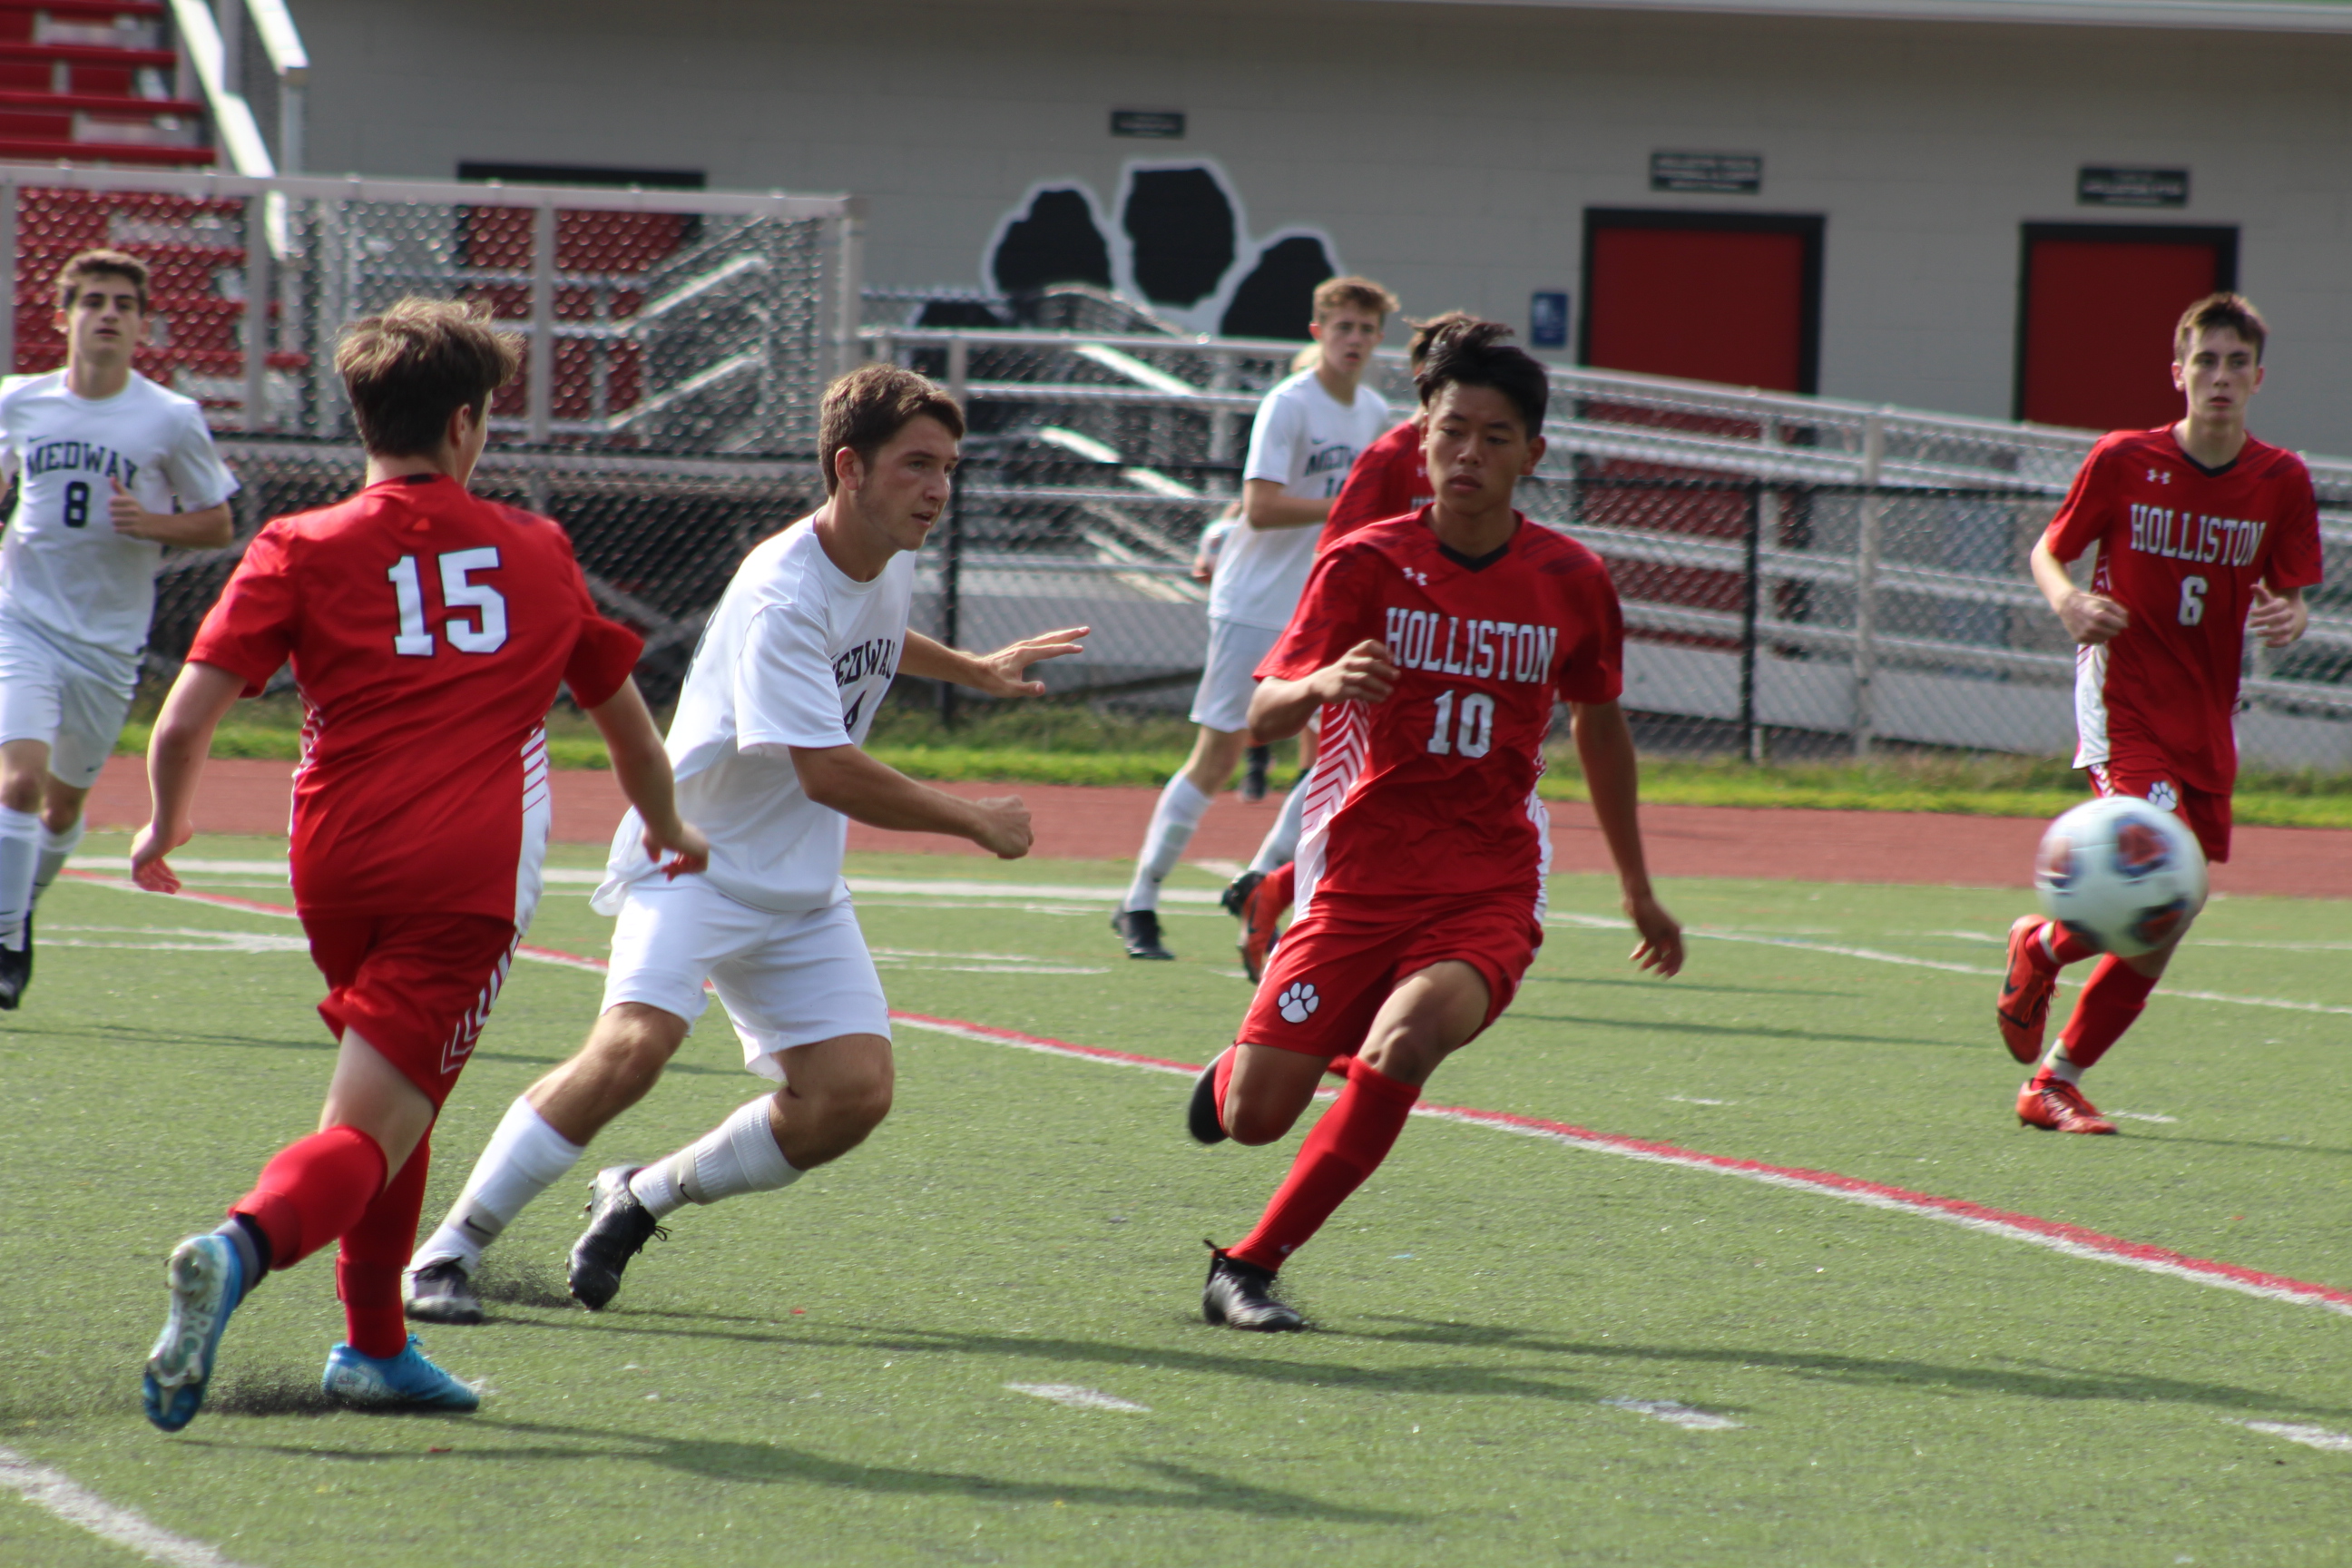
(193,464)
(784,691)
(1275,439)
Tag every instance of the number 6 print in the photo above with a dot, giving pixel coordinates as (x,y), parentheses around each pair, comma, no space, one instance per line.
(2192,600)
(488,633)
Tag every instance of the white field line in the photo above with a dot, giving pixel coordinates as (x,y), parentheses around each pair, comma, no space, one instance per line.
(60,1494)
(2318,1437)
(1675,1413)
(1076,1397)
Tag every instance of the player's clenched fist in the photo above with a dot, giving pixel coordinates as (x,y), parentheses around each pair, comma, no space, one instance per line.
(1365,673)
(687,849)
(2092,619)
(1004,830)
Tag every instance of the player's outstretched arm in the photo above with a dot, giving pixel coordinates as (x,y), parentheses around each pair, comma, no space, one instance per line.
(1604,744)
(210,529)
(1000,674)
(1280,709)
(642,767)
(176,750)
(2089,618)
(1268,503)
(877,795)
(2279,616)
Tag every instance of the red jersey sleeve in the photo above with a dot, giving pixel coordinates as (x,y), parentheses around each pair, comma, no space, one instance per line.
(2084,516)
(1592,668)
(1334,614)
(2294,560)
(250,629)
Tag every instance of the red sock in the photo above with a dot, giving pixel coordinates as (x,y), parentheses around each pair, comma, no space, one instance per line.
(313,1191)
(2063,945)
(1347,1145)
(1281,885)
(2111,999)
(367,1274)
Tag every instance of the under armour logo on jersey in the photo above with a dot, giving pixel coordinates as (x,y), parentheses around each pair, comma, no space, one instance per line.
(2163,796)
(1417,575)
(1297,1003)
(2159,477)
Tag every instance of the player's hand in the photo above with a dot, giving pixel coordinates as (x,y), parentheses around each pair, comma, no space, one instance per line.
(683,842)
(1660,949)
(147,851)
(2277,618)
(128,516)
(1004,672)
(1203,569)
(1365,673)
(2092,619)
(1005,829)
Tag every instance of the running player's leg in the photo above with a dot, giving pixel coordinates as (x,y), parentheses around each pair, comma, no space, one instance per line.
(92,708)
(24,769)
(665,943)
(808,1006)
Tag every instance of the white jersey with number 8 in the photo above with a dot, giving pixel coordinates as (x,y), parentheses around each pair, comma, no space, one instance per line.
(63,567)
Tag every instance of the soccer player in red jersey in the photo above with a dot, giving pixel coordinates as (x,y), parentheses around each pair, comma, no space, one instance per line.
(428,631)
(1438,644)
(1390,478)
(2202,532)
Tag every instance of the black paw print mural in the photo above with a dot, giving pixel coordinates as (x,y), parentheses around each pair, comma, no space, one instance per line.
(1179,242)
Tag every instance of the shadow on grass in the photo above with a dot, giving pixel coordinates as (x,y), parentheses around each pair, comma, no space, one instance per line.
(770,1463)
(2015,1379)
(1679,987)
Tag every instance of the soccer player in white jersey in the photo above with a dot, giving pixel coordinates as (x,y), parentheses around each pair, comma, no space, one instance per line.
(1309,428)
(766,747)
(110,468)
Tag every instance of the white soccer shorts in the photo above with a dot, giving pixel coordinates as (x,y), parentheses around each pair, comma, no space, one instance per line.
(785,980)
(47,695)
(1234,653)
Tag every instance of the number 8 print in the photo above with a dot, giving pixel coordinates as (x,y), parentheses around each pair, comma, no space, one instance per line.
(78,504)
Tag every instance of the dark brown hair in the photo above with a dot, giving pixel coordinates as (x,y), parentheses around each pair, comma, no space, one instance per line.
(1475,354)
(865,409)
(101,264)
(2235,311)
(409,369)
(1352,294)
(1425,333)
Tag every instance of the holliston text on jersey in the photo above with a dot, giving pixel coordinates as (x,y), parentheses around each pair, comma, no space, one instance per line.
(1481,649)
(2161,531)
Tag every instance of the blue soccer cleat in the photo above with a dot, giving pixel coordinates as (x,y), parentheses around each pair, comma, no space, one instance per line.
(207,1281)
(405,1382)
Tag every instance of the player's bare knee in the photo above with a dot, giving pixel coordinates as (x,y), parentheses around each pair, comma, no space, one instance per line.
(59,817)
(20,789)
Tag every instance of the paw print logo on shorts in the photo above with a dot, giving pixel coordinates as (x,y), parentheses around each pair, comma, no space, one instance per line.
(2163,796)
(1298,1003)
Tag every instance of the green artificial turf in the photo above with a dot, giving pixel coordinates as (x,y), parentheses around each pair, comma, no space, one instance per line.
(821,1375)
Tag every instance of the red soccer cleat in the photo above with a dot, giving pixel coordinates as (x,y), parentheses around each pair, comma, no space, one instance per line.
(1259,908)
(2056,1106)
(2025,992)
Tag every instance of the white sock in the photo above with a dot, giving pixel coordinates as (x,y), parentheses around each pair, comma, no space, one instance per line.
(20,853)
(2060,1066)
(1178,811)
(54,848)
(1281,846)
(525,1157)
(739,1155)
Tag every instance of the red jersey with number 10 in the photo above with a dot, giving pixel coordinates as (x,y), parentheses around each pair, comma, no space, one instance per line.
(429,630)
(1431,794)
(2180,548)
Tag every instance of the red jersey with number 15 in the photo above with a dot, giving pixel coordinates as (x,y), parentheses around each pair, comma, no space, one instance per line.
(1431,794)
(2180,548)
(429,630)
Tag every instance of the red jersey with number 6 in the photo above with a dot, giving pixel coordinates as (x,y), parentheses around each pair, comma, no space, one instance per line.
(2180,548)
(1431,794)
(429,630)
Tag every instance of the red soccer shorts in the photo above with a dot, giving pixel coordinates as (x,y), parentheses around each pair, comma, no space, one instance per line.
(1338,962)
(2207,813)
(417,987)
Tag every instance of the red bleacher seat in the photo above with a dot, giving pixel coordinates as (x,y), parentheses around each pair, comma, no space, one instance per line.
(89,82)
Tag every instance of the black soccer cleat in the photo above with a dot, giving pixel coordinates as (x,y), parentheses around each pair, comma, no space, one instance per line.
(1241,1296)
(17,969)
(441,1292)
(1236,898)
(1139,929)
(618,1229)
(1201,1116)
(1261,763)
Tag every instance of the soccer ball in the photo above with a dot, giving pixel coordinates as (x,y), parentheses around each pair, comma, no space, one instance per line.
(2120,874)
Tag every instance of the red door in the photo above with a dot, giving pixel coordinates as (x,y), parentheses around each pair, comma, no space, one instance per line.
(1737,304)
(2097,309)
